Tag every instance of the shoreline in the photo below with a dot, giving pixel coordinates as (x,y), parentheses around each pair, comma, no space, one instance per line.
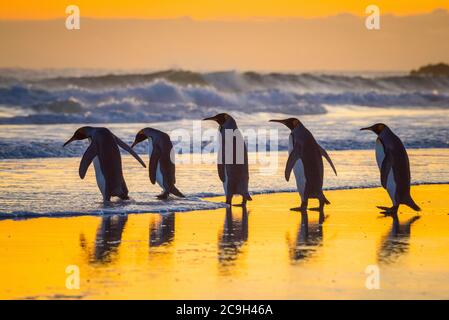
(52,187)
(207,198)
(282,149)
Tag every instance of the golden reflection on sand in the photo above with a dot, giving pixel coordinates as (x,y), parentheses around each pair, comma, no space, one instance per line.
(264,251)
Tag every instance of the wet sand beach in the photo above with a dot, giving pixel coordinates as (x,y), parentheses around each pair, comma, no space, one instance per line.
(264,252)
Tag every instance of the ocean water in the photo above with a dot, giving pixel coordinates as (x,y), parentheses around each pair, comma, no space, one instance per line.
(39,111)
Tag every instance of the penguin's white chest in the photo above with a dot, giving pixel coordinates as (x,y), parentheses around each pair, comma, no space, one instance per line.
(159,176)
(101,181)
(298,170)
(391,184)
(99,176)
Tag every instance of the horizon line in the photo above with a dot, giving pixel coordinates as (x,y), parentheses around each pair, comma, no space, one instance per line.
(228,19)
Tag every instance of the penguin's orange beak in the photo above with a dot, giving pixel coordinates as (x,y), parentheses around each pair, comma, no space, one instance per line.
(367,128)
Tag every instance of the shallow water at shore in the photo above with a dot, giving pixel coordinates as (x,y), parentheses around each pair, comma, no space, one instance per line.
(266,251)
(43,187)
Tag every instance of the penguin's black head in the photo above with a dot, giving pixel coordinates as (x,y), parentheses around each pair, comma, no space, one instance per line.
(220,118)
(140,136)
(376,128)
(79,134)
(291,123)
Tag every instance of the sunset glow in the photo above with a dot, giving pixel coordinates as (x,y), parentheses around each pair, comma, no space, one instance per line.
(209,9)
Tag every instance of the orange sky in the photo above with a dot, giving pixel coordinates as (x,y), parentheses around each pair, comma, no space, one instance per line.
(209,9)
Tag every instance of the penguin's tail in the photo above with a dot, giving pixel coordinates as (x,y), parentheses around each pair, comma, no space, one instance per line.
(247,197)
(411,203)
(176,192)
(325,200)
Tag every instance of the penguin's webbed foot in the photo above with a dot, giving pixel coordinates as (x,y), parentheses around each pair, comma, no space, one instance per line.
(299,209)
(388,211)
(124,197)
(163,196)
(229,200)
(243,204)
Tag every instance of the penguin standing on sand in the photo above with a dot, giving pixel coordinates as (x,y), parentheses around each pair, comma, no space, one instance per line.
(162,166)
(104,152)
(232,161)
(394,166)
(305,159)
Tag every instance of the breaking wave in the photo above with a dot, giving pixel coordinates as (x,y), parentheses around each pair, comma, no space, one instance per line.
(175,94)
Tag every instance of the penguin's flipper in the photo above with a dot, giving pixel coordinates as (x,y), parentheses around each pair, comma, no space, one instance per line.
(292,158)
(127,148)
(326,156)
(221,172)
(87,159)
(387,164)
(154,160)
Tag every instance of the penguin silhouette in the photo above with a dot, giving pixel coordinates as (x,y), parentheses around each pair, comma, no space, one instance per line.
(394,166)
(305,159)
(162,166)
(105,154)
(232,162)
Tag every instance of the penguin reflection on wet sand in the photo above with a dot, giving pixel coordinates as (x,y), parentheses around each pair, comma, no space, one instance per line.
(162,157)
(397,241)
(109,237)
(232,161)
(394,166)
(235,234)
(162,232)
(305,159)
(309,238)
(107,240)
(105,154)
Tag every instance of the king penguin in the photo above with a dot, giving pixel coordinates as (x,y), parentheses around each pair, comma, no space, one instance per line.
(394,166)
(232,161)
(104,152)
(305,159)
(162,166)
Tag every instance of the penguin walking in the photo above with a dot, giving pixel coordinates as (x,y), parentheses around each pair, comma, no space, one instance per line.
(105,154)
(394,166)
(305,159)
(232,161)
(162,166)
